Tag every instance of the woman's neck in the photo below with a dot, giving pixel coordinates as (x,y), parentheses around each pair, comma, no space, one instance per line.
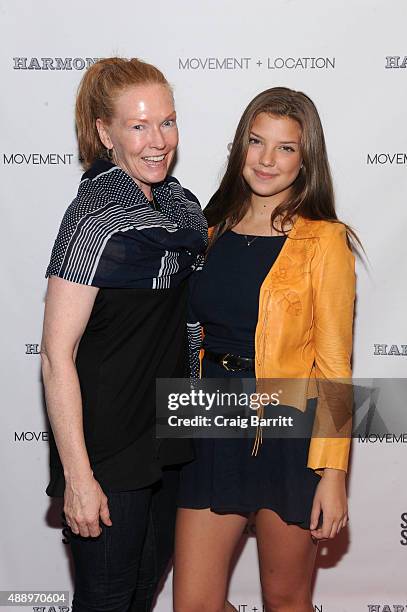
(257,218)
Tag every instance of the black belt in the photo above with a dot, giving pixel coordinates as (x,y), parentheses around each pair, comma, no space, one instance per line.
(231,363)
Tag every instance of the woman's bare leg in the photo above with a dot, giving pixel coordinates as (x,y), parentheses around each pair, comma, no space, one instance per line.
(286,557)
(204,545)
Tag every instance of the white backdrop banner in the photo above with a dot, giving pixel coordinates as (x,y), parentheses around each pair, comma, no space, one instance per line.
(351,59)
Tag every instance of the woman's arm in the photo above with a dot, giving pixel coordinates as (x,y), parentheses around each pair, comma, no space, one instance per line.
(333,299)
(67,310)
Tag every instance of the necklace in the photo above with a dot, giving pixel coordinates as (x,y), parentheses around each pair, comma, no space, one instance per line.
(249,242)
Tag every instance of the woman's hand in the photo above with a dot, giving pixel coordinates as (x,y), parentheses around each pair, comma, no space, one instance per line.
(84,504)
(330,498)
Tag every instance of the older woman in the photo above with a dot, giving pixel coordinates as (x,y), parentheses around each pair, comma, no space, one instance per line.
(114,322)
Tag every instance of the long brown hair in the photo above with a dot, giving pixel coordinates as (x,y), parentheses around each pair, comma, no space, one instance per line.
(97,92)
(312,194)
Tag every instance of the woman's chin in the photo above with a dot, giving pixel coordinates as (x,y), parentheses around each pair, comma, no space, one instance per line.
(155,175)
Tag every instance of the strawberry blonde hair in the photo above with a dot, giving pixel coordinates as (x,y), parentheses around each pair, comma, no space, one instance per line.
(98,89)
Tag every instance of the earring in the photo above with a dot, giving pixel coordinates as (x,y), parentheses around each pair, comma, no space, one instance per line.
(109,153)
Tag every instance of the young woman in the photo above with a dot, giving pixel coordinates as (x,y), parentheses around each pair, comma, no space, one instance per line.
(115,320)
(275,299)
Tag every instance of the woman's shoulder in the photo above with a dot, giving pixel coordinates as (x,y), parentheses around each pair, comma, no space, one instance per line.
(330,236)
(311,228)
(98,168)
(320,228)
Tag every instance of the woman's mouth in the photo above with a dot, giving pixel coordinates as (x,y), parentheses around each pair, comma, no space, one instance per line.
(155,161)
(264,175)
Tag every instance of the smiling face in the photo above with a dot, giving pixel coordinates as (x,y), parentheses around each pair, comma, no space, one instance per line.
(273,158)
(143,133)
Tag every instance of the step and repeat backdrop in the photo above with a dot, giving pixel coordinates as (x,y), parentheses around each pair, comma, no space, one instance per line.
(351,59)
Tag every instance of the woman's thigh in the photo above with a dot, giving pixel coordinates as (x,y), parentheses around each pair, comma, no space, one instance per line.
(286,558)
(106,567)
(204,545)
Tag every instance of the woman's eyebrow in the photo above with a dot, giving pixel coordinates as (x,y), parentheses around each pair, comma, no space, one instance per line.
(137,119)
(280,142)
(254,134)
(145,120)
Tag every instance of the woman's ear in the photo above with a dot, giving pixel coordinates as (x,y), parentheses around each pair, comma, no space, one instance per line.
(103,134)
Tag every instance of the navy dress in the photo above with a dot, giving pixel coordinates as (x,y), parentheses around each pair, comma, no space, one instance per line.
(225,476)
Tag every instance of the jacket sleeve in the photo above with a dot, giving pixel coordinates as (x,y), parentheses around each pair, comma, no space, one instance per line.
(333,282)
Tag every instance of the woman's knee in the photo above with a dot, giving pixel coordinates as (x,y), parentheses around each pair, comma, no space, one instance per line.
(200,604)
(276,599)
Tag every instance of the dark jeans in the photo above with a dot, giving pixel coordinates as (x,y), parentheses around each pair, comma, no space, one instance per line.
(121,569)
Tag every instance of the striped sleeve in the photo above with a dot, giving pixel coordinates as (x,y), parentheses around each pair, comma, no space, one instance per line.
(81,241)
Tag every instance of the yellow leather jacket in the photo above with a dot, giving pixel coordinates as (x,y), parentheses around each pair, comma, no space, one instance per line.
(304,328)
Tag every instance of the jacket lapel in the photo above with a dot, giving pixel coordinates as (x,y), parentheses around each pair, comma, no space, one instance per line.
(295,256)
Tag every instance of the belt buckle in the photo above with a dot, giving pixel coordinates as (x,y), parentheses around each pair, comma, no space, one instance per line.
(224,362)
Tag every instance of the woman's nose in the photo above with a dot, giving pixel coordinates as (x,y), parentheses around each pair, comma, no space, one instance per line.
(267,158)
(157,139)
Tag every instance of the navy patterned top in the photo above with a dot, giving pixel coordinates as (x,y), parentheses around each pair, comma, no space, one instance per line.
(111,236)
(140,258)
